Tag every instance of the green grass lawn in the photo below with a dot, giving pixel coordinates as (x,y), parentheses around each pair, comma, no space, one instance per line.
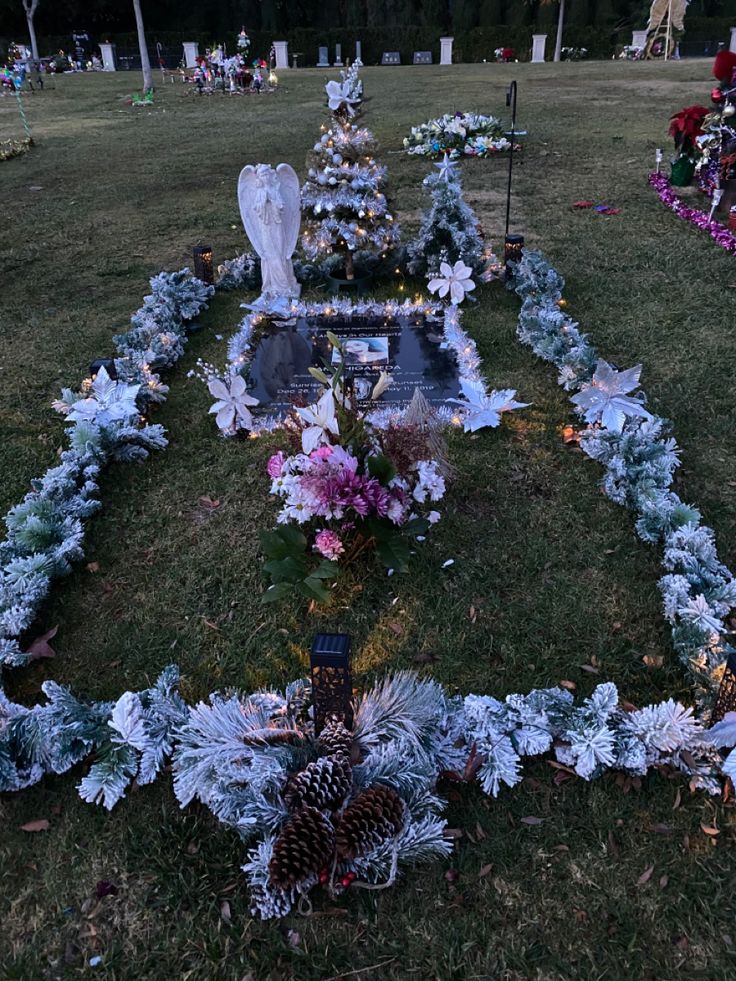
(553,570)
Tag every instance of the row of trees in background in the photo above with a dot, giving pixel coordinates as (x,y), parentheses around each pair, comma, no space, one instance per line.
(219,17)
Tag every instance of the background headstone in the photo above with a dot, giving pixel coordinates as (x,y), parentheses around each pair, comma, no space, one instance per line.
(191,53)
(422,57)
(324,58)
(538,43)
(446,50)
(108,57)
(281,49)
(391,58)
(732,45)
(639,39)
(358,51)
(338,56)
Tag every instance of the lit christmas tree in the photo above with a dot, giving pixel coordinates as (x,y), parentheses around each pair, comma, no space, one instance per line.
(345,209)
(450,230)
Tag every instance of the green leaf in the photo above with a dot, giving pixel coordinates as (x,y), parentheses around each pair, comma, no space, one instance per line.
(381,468)
(278,592)
(281,542)
(289,569)
(417,526)
(394,552)
(325,570)
(334,340)
(313,589)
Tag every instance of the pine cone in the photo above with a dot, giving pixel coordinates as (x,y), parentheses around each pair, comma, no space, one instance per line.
(375,815)
(335,739)
(322,784)
(304,846)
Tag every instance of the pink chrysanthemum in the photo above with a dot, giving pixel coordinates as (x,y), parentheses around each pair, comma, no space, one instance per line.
(275,465)
(328,544)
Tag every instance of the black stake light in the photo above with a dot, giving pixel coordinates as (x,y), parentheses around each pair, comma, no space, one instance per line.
(107,363)
(202,255)
(332,688)
(726,699)
(513,244)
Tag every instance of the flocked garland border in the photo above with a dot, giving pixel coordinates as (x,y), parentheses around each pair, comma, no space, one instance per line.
(701,219)
(455,339)
(46,531)
(409,730)
(698,590)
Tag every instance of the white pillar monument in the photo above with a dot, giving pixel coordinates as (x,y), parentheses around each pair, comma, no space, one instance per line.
(732,45)
(538,43)
(358,51)
(281,49)
(446,50)
(639,39)
(191,53)
(108,57)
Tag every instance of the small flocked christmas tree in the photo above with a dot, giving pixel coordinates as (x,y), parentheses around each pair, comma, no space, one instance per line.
(450,230)
(345,209)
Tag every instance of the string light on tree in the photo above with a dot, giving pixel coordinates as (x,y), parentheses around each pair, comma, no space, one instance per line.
(345,208)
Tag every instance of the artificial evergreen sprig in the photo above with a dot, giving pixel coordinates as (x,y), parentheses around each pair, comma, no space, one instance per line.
(46,531)
(640,458)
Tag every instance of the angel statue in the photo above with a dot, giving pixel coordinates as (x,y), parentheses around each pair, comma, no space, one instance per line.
(270,207)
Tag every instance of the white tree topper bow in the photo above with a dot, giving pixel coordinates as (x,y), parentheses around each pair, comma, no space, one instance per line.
(455,280)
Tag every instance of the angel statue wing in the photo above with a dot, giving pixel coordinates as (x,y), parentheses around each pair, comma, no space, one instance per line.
(292,214)
(247,194)
(270,206)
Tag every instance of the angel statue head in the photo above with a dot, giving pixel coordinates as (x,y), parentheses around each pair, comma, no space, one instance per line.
(267,201)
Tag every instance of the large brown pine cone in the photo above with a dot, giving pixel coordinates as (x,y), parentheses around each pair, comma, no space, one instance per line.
(303,848)
(335,739)
(322,784)
(375,815)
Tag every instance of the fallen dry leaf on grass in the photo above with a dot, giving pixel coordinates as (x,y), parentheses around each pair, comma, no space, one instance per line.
(41,825)
(208,504)
(532,821)
(645,876)
(40,647)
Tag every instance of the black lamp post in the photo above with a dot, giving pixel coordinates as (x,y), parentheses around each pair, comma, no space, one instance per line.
(332,688)
(202,255)
(726,699)
(513,245)
(107,363)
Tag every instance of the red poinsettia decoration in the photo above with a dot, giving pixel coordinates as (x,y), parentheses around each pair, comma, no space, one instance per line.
(686,125)
(724,67)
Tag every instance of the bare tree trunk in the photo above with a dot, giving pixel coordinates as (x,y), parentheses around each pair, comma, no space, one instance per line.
(145,63)
(30,7)
(560,25)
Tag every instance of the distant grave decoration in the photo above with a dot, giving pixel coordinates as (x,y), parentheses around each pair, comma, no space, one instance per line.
(705,152)
(459,134)
(391,58)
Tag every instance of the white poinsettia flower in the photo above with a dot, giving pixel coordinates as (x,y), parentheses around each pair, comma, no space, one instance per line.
(606,399)
(701,614)
(455,280)
(108,401)
(338,96)
(483,410)
(233,401)
(320,420)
